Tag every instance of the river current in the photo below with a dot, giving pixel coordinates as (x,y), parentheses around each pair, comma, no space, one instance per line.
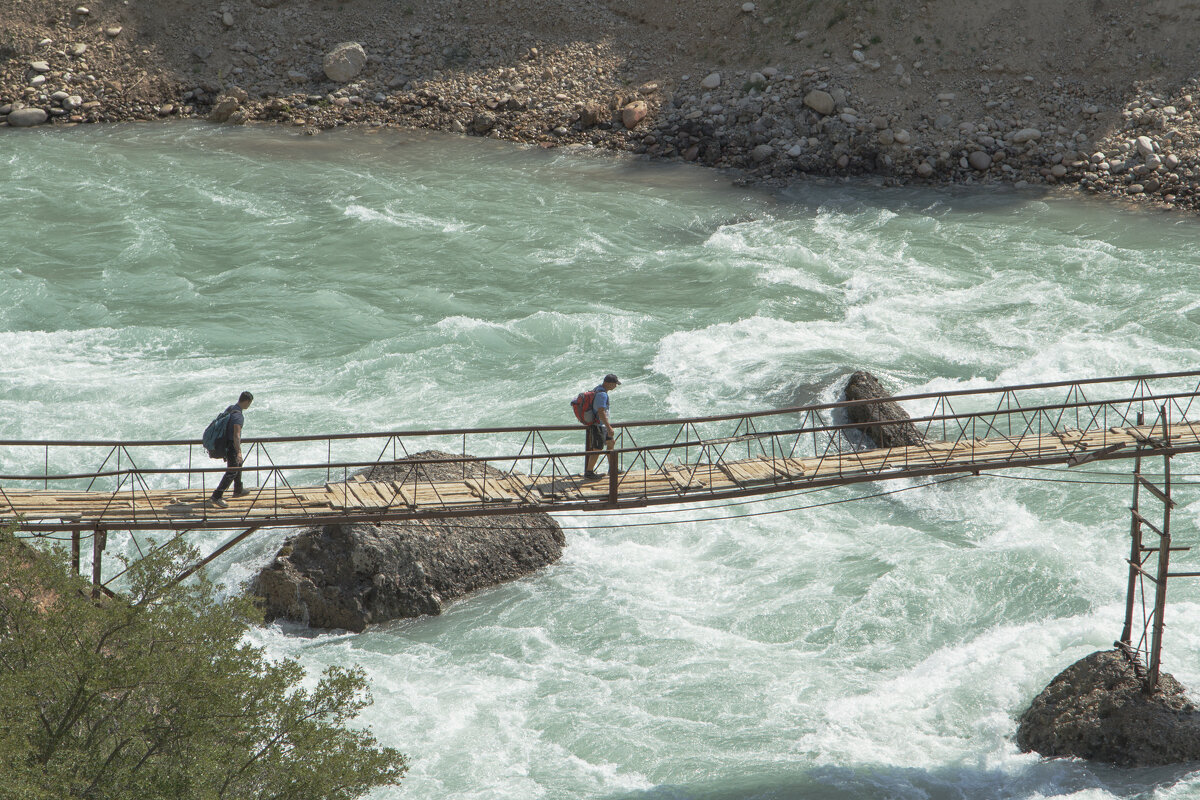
(879,648)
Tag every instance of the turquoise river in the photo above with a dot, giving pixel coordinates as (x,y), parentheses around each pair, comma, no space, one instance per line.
(881,648)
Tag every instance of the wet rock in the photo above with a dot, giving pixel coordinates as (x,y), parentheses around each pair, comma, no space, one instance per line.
(1096,709)
(885,423)
(27,117)
(483,122)
(224,109)
(344,62)
(350,576)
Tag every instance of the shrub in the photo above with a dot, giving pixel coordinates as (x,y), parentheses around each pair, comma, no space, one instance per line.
(156,694)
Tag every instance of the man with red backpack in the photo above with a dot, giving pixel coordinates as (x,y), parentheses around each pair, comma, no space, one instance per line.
(591,408)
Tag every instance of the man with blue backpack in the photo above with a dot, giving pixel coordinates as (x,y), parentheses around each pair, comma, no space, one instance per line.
(591,408)
(229,443)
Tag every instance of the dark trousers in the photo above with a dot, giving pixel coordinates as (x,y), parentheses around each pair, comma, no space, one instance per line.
(233,475)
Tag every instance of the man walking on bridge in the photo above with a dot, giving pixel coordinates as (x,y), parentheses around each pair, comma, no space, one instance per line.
(233,452)
(600,430)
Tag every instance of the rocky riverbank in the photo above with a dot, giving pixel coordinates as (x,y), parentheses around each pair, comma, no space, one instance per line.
(1094,95)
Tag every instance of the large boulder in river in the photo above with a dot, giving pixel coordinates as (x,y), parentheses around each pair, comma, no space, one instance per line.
(886,423)
(349,576)
(1096,709)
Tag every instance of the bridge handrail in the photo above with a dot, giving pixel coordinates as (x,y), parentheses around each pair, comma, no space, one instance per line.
(659,422)
(528,456)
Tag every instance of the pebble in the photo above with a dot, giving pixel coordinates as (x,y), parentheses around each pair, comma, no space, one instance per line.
(113,32)
(762,153)
(227,19)
(1026,135)
(82,11)
(78,49)
(39,66)
(748,8)
(820,101)
(711,81)
(1145,146)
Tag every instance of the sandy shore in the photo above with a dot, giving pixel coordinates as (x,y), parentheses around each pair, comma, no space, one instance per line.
(1089,95)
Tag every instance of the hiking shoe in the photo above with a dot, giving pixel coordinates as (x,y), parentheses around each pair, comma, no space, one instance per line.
(591,474)
(218,502)
(241,493)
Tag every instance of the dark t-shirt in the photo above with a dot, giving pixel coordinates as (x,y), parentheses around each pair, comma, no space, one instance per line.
(235,418)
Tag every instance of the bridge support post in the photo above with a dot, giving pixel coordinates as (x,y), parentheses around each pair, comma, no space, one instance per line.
(1135,547)
(99,542)
(1147,649)
(1164,561)
(613,476)
(75,550)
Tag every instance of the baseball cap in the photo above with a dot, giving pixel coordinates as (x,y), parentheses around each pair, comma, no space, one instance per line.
(610,378)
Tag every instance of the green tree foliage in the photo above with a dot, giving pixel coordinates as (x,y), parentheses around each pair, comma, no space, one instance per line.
(157,694)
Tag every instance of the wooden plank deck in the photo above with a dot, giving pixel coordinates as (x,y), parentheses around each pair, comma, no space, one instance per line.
(683,481)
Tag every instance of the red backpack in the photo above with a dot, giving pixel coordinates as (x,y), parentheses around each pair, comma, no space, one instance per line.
(583,404)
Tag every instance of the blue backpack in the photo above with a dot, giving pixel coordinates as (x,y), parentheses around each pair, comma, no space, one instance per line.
(215,438)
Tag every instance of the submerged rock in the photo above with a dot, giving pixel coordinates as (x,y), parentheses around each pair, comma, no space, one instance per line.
(899,432)
(1096,709)
(349,576)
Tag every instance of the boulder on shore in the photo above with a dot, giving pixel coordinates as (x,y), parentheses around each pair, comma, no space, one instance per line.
(349,576)
(344,62)
(1095,709)
(887,424)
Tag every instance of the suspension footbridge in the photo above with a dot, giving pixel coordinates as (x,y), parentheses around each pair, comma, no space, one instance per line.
(106,486)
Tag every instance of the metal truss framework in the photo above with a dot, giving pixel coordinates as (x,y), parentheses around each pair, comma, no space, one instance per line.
(105,486)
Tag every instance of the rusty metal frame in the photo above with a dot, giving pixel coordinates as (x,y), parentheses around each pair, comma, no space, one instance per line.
(1013,414)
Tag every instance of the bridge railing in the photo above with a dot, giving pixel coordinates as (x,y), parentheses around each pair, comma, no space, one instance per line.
(819,435)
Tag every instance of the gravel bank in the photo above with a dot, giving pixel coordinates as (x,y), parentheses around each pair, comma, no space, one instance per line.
(1088,95)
